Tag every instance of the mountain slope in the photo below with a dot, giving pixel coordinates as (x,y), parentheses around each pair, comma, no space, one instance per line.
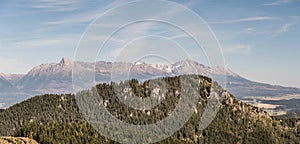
(12,78)
(57,119)
(6,86)
(48,78)
(242,87)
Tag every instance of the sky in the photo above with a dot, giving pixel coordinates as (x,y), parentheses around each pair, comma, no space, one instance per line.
(259,39)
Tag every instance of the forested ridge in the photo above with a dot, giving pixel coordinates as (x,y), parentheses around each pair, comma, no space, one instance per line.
(56,118)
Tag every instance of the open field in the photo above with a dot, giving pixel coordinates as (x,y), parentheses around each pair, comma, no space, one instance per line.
(285,97)
(274,105)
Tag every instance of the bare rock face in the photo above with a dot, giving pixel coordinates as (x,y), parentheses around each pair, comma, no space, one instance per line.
(18,140)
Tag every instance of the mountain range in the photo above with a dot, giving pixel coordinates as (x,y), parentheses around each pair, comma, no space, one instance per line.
(57,78)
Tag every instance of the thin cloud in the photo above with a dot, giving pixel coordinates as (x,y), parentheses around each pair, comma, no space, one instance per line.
(249,19)
(294,18)
(279,2)
(51,41)
(38,43)
(12,65)
(87,16)
(178,36)
(238,49)
(56,5)
(249,30)
(283,29)
(115,52)
(76,20)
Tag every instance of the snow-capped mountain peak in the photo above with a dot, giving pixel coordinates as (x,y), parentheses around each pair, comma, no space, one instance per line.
(139,63)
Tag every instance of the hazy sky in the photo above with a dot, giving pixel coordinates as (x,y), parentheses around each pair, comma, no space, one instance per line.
(260,39)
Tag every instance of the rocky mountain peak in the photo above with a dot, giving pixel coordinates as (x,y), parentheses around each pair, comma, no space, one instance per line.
(65,61)
(140,63)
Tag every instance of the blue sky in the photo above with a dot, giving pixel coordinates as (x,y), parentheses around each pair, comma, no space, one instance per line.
(260,39)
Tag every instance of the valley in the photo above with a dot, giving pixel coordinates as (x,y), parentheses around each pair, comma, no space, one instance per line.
(275,105)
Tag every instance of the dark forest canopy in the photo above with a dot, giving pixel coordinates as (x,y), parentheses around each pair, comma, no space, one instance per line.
(56,118)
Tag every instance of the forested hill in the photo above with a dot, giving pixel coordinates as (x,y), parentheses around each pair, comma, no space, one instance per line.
(57,119)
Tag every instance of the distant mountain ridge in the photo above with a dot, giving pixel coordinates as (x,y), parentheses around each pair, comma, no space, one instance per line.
(5,85)
(57,78)
(12,78)
(48,78)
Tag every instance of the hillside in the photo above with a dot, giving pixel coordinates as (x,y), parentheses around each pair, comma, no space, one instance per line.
(57,119)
